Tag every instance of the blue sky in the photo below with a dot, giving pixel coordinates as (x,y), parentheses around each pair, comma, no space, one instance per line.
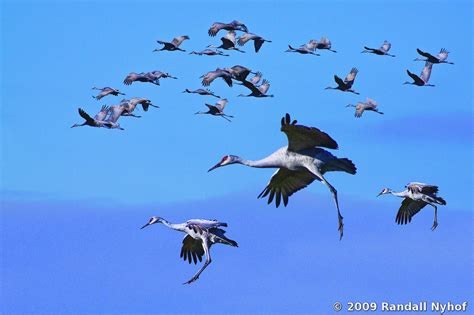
(73,199)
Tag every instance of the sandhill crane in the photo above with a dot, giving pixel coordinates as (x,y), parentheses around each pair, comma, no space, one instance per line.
(416,197)
(299,163)
(228,42)
(305,49)
(98,120)
(257,40)
(208,52)
(200,236)
(106,91)
(232,26)
(440,58)
(202,92)
(151,77)
(324,43)
(346,85)
(131,104)
(257,91)
(173,45)
(369,104)
(424,77)
(209,77)
(382,51)
(217,110)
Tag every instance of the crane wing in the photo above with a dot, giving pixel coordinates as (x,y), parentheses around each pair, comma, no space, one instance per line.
(263,88)
(230,36)
(205,224)
(256,78)
(86,116)
(359,110)
(372,103)
(408,209)
(416,187)
(178,40)
(102,114)
(349,80)
(215,28)
(252,87)
(415,78)
(114,113)
(426,73)
(257,43)
(339,81)
(192,249)
(443,54)
(385,46)
(130,78)
(301,137)
(245,38)
(425,54)
(285,183)
(221,104)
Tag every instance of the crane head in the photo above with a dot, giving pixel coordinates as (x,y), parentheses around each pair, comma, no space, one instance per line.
(226,160)
(385,191)
(153,220)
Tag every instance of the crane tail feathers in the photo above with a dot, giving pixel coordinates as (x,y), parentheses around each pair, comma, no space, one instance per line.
(347,165)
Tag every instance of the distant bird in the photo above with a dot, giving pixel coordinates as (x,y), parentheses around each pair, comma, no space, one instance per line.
(228,42)
(209,77)
(257,91)
(106,91)
(98,121)
(202,92)
(257,40)
(369,104)
(382,51)
(424,77)
(305,49)
(346,85)
(217,110)
(151,77)
(416,197)
(208,52)
(201,235)
(324,44)
(299,164)
(440,58)
(232,26)
(239,73)
(131,104)
(173,45)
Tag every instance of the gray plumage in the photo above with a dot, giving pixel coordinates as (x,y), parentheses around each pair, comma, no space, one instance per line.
(200,236)
(232,26)
(369,105)
(416,197)
(346,84)
(299,164)
(382,51)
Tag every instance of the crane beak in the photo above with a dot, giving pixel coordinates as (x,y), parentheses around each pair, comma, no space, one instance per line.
(214,167)
(379,194)
(145,226)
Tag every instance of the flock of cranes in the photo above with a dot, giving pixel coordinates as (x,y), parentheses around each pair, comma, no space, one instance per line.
(304,159)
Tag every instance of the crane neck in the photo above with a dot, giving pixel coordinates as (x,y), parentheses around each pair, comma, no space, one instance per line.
(267,162)
(177,227)
(401,194)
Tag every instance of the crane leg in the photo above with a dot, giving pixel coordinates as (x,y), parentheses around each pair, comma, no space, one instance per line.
(334,195)
(206,263)
(225,117)
(435,223)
